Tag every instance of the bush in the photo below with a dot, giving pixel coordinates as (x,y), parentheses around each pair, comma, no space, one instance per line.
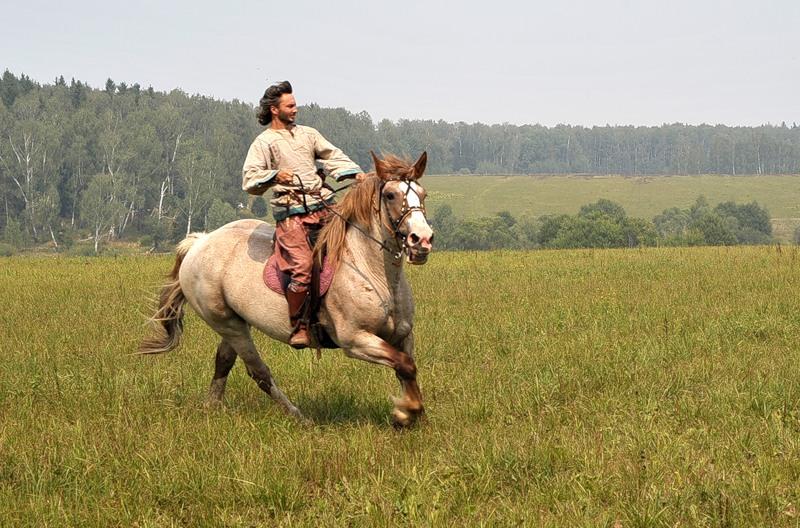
(159,233)
(14,235)
(749,223)
(672,224)
(259,207)
(603,207)
(639,232)
(245,214)
(550,227)
(220,213)
(597,232)
(7,250)
(81,249)
(444,224)
(714,230)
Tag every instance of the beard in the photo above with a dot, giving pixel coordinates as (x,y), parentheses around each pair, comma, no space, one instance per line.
(286,118)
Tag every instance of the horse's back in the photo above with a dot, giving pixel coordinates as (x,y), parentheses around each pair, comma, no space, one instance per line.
(222,277)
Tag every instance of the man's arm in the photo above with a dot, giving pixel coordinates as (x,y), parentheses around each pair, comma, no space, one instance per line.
(334,161)
(257,172)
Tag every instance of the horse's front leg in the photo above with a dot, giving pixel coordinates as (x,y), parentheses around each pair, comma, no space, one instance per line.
(369,347)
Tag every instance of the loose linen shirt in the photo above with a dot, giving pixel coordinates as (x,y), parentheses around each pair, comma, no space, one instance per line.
(294,151)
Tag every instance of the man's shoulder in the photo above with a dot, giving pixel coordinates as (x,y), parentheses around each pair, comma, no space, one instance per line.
(307,130)
(267,135)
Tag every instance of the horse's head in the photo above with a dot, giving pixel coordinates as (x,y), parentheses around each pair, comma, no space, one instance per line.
(402,199)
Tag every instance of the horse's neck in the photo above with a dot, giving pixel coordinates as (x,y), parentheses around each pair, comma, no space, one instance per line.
(370,258)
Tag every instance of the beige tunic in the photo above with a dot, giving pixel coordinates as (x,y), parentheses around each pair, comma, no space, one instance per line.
(295,152)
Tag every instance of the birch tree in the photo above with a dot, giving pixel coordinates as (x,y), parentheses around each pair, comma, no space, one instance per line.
(199,181)
(100,208)
(26,162)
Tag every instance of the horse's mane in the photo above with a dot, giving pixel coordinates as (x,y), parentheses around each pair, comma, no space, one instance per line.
(357,207)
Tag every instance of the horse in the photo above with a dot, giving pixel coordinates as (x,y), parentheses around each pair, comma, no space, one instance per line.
(368,310)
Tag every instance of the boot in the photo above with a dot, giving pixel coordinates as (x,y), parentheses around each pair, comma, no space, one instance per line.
(296,302)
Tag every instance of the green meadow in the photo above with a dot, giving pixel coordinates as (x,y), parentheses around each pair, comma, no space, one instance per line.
(641,196)
(653,387)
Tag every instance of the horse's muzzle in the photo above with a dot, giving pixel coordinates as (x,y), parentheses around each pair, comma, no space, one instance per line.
(419,246)
(418,254)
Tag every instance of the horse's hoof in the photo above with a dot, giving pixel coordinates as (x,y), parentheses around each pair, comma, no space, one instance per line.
(213,404)
(401,418)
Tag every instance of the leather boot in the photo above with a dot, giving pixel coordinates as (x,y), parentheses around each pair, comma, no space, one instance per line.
(296,301)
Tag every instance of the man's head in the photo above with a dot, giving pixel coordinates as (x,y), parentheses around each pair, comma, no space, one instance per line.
(278,103)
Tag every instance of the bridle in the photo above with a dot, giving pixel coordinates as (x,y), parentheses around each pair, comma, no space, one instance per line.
(394,227)
(401,239)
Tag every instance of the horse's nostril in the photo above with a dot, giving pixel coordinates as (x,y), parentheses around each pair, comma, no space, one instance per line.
(414,238)
(431,239)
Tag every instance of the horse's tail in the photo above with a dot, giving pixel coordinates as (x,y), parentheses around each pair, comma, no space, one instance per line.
(167,322)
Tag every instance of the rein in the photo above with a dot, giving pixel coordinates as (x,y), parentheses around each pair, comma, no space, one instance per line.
(395,226)
(382,243)
(396,255)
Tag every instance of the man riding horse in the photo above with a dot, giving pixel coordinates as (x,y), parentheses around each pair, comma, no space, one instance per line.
(283,158)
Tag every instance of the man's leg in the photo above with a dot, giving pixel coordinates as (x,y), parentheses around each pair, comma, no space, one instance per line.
(297,302)
(295,258)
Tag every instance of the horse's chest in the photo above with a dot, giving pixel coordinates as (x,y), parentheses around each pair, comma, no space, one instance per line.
(397,324)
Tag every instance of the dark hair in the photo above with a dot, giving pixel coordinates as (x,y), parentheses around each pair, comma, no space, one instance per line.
(272,97)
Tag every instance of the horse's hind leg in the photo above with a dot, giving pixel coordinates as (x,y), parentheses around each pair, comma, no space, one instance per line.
(226,357)
(258,370)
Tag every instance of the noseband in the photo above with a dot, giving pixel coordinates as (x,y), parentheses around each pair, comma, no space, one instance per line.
(394,228)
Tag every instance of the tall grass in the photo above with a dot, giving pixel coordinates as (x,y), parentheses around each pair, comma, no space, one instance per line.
(653,387)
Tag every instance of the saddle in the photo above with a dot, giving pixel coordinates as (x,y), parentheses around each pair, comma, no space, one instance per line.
(278,281)
(321,279)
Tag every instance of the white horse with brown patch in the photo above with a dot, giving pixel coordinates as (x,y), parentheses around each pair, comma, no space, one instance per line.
(368,310)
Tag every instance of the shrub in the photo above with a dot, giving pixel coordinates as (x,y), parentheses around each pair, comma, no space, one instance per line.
(7,250)
(220,213)
(14,235)
(81,249)
(147,241)
(714,230)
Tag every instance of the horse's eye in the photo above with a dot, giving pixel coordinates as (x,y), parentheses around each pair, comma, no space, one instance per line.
(390,196)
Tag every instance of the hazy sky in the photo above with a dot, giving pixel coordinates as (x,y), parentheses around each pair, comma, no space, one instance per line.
(575,62)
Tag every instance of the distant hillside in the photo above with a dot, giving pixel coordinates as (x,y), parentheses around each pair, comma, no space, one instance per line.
(126,161)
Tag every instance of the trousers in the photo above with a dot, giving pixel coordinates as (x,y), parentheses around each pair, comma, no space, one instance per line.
(293,252)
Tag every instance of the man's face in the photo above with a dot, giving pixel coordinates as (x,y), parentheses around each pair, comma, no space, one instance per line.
(286,112)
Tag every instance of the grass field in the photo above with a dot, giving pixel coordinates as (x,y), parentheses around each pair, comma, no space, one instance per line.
(643,197)
(655,387)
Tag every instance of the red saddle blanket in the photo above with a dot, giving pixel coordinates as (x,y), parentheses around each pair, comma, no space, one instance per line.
(277,281)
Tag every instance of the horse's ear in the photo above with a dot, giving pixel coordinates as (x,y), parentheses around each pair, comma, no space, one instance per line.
(419,166)
(378,165)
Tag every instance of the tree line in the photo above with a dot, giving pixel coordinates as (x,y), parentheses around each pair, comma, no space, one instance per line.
(124,161)
(605,224)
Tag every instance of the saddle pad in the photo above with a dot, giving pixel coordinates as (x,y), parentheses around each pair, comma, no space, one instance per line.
(278,281)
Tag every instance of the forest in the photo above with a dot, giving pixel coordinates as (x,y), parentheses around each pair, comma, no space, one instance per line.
(125,162)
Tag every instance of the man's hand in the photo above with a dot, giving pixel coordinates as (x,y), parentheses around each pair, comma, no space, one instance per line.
(284,177)
(361,177)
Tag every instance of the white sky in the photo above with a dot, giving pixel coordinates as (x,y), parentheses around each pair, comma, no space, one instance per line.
(576,62)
